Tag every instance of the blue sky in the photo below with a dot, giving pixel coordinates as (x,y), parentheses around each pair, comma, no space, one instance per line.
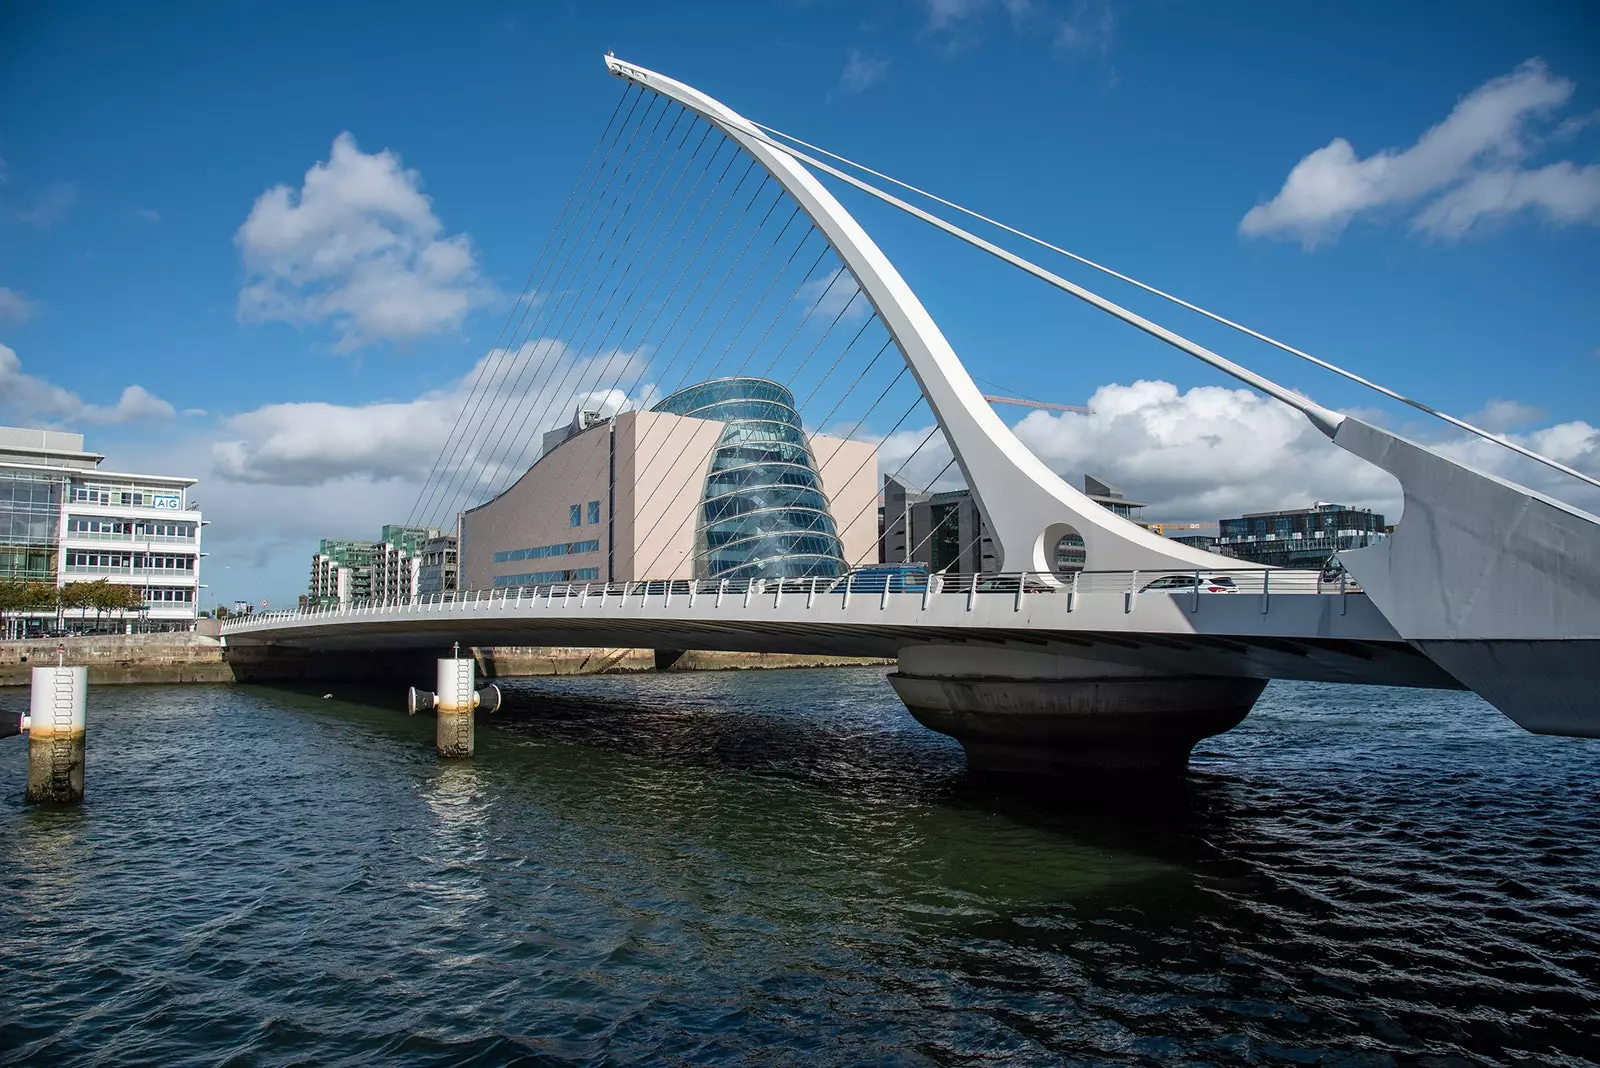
(1157,137)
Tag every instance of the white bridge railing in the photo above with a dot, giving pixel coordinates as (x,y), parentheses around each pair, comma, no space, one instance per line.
(1019,587)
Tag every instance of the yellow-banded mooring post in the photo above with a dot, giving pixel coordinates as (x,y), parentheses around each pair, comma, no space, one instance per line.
(57,715)
(453,702)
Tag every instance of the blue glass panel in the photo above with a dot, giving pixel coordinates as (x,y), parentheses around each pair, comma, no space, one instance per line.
(764,513)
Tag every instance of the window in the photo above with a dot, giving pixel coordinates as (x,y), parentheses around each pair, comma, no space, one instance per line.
(594,511)
(575,516)
(540,551)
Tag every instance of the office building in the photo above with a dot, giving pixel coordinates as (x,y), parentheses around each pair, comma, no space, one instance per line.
(437,567)
(945,531)
(718,480)
(63,520)
(1301,537)
(341,571)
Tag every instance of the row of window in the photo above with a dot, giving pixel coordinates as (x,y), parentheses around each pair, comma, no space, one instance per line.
(131,498)
(129,528)
(576,514)
(112,561)
(539,578)
(538,552)
(162,594)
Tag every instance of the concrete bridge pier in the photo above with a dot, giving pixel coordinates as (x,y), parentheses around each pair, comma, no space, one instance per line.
(1046,715)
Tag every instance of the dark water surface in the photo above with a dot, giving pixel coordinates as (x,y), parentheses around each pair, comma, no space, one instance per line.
(783,868)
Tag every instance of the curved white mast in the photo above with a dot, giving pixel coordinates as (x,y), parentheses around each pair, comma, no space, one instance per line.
(1020,498)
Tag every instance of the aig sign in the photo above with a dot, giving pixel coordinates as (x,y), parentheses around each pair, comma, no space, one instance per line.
(166,502)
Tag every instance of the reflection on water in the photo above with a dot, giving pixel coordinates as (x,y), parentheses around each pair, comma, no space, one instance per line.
(781,867)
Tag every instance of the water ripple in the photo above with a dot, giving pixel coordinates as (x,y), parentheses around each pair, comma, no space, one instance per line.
(782,868)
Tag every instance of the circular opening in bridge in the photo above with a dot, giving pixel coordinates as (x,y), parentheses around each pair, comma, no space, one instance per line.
(1067,551)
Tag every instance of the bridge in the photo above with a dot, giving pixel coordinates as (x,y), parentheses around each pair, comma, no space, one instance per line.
(1484,585)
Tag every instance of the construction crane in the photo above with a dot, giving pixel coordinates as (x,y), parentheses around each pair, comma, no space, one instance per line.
(1024,403)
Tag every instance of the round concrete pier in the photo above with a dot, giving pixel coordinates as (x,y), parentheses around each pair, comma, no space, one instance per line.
(1041,715)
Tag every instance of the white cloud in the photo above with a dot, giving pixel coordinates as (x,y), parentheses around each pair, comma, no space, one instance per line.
(14,307)
(1502,415)
(1210,452)
(1088,28)
(1463,171)
(520,395)
(861,72)
(825,297)
(32,400)
(358,246)
(147,214)
(49,207)
(1078,26)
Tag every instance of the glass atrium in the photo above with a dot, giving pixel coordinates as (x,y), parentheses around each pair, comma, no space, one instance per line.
(764,513)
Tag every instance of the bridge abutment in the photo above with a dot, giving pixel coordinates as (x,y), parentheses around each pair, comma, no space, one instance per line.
(1044,715)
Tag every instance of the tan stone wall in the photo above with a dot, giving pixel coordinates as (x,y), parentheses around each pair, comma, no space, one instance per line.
(849,471)
(661,474)
(534,511)
(661,463)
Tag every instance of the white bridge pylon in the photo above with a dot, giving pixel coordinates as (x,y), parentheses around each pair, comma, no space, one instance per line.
(1497,583)
(1026,505)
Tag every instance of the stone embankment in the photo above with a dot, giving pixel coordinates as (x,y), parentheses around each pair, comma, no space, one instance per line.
(116,658)
(164,658)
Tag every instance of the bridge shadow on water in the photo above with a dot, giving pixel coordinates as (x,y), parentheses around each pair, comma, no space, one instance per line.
(831,749)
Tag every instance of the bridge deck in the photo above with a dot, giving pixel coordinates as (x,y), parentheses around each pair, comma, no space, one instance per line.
(1288,630)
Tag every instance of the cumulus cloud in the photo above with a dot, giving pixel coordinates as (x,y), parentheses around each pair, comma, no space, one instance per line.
(1210,452)
(1462,172)
(14,307)
(519,394)
(28,398)
(861,72)
(357,246)
(1502,415)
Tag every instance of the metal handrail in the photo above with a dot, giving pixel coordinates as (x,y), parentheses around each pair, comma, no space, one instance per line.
(889,586)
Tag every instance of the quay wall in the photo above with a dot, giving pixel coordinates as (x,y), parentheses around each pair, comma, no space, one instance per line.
(172,658)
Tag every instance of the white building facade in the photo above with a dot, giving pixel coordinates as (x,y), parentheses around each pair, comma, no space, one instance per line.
(65,520)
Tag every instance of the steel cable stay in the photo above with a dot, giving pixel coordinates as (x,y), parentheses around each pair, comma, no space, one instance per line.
(842,530)
(912,551)
(565,457)
(726,275)
(643,366)
(604,354)
(527,288)
(722,246)
(803,319)
(512,394)
(762,133)
(581,238)
(693,513)
(935,429)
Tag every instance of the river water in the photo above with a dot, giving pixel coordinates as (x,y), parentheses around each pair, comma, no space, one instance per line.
(781,867)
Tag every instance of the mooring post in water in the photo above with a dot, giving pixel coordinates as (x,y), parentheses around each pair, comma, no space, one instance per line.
(453,703)
(56,719)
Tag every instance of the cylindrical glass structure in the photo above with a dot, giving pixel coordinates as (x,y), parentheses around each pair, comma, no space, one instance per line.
(763,511)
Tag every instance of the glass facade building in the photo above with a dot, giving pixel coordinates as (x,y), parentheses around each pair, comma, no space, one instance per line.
(763,512)
(1300,537)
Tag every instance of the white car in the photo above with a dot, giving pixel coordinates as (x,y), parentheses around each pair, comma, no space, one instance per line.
(1186,584)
